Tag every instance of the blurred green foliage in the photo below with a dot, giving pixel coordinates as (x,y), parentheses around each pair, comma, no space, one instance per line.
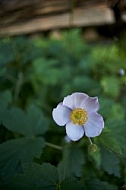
(35,75)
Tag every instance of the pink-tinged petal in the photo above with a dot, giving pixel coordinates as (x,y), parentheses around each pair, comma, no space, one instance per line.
(91,104)
(61,114)
(94,125)
(74,132)
(75,100)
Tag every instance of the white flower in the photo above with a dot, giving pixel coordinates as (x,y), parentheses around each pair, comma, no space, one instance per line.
(78,112)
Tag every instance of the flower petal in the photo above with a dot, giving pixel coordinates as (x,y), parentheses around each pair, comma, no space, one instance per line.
(94,125)
(75,100)
(91,104)
(74,132)
(61,114)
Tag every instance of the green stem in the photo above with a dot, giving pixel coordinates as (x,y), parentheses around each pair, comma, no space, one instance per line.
(53,146)
(71,18)
(90,140)
(18,85)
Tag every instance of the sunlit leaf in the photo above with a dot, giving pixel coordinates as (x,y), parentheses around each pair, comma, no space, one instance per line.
(111,86)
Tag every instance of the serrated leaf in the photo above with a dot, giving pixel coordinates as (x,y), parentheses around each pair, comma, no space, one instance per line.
(44,177)
(36,177)
(109,141)
(15,151)
(45,71)
(72,183)
(42,171)
(71,165)
(31,123)
(96,184)
(110,162)
(118,129)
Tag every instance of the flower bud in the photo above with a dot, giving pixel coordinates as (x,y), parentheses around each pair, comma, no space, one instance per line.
(121,72)
(92,148)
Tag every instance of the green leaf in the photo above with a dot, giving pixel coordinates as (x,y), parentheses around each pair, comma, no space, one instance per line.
(45,71)
(5,99)
(44,177)
(15,151)
(110,142)
(31,123)
(2,71)
(37,121)
(86,84)
(118,129)
(44,171)
(110,162)
(71,165)
(111,109)
(105,106)
(71,184)
(96,184)
(111,86)
(6,55)
(117,111)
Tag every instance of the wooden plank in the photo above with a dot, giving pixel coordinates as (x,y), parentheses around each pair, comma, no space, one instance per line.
(95,15)
(14,13)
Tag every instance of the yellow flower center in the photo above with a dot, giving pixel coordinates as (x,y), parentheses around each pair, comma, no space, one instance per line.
(79,116)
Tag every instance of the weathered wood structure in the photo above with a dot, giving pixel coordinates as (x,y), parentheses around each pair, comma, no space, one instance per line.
(28,16)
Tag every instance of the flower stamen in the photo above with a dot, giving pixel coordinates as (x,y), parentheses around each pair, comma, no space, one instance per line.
(79,116)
